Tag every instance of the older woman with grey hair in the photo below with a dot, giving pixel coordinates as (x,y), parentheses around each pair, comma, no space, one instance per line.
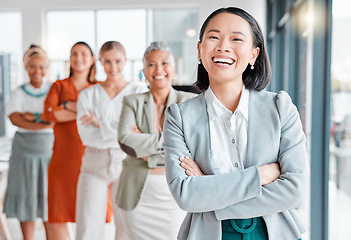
(148,208)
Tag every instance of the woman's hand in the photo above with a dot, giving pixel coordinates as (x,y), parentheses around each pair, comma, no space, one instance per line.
(190,167)
(269,173)
(69,106)
(90,119)
(29,116)
(135,129)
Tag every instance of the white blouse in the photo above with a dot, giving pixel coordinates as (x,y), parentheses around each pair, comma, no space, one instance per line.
(27,98)
(228,132)
(107,110)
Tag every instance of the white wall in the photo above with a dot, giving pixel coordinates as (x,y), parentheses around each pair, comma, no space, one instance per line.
(33,11)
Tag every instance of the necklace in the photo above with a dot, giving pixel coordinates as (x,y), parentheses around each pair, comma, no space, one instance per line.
(35,95)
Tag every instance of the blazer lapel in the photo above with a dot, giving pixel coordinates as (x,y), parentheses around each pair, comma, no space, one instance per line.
(149,111)
(199,138)
(172,97)
(255,125)
(205,123)
(250,130)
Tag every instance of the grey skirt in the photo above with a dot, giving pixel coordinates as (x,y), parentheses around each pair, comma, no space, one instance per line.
(26,196)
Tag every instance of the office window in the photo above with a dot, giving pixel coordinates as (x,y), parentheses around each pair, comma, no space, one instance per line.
(11,65)
(340,141)
(64,28)
(134,28)
(129,28)
(11,43)
(288,51)
(179,29)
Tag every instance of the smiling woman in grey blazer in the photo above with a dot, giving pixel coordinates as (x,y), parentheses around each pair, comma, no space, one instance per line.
(149,211)
(235,155)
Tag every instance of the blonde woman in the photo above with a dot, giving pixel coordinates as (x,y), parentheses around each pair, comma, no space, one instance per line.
(26,197)
(99,108)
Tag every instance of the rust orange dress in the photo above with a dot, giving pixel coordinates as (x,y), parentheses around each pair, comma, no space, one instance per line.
(67,155)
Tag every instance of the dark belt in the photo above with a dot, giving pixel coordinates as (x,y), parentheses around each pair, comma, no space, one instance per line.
(243,225)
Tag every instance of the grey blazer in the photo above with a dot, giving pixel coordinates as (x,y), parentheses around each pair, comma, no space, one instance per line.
(275,134)
(138,110)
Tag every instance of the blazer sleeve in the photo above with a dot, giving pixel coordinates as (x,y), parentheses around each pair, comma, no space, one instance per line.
(288,191)
(136,145)
(52,102)
(157,160)
(202,193)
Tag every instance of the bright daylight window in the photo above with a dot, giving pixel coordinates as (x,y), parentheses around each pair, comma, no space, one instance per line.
(134,28)
(11,66)
(340,132)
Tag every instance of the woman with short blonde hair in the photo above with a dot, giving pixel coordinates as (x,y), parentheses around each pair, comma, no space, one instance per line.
(98,111)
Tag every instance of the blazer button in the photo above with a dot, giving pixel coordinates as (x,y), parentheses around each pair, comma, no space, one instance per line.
(236,165)
(233,141)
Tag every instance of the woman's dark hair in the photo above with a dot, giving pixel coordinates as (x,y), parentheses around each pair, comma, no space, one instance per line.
(257,78)
(92,70)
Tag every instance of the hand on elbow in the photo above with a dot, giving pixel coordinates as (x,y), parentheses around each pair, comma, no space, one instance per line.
(269,173)
(90,119)
(29,116)
(69,106)
(190,167)
(135,129)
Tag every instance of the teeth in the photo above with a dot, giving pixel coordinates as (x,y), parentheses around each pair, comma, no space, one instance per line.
(223,60)
(159,77)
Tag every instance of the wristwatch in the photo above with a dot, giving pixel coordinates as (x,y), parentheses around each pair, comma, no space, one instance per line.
(64,105)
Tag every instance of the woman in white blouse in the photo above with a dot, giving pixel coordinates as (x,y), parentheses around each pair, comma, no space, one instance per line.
(98,112)
(26,197)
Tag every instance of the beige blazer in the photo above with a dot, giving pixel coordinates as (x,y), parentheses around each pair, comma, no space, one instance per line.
(138,110)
